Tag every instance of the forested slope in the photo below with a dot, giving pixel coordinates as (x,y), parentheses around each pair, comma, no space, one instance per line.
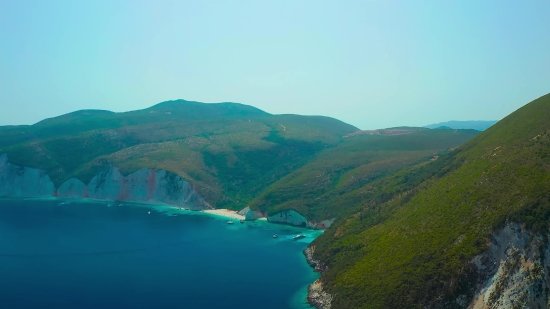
(411,240)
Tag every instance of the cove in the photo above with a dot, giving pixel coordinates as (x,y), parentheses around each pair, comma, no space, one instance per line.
(86,254)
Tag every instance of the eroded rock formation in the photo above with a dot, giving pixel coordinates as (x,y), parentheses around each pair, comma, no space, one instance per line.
(293,217)
(316,296)
(145,185)
(17,181)
(514,272)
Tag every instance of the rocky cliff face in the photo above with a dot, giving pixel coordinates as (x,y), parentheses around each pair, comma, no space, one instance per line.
(290,217)
(316,296)
(294,218)
(145,185)
(23,181)
(250,214)
(513,273)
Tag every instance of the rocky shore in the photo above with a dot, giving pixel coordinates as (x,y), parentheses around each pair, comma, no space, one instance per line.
(316,296)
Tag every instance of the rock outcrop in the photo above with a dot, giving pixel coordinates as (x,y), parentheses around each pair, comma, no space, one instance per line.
(73,188)
(17,181)
(145,185)
(316,264)
(316,296)
(290,217)
(513,273)
(250,215)
(293,217)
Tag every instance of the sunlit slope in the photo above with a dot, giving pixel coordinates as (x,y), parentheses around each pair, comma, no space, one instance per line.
(409,242)
(170,111)
(228,151)
(318,189)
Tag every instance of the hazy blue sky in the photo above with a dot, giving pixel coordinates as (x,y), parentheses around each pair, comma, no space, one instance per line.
(370,63)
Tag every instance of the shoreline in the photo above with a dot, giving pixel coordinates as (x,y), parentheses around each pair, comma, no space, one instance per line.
(317,297)
(222,212)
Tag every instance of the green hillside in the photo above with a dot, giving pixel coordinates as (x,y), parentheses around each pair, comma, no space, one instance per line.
(86,120)
(410,237)
(233,154)
(316,189)
(228,151)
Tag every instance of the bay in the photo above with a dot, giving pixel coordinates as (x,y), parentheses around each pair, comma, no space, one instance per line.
(88,254)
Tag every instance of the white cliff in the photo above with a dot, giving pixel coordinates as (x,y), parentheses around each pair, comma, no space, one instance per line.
(514,272)
(145,185)
(250,214)
(293,217)
(73,188)
(290,217)
(23,181)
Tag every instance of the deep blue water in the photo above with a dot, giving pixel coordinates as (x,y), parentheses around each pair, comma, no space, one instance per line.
(62,254)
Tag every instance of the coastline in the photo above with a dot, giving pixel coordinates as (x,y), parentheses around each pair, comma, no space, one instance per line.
(224,213)
(175,230)
(316,296)
(221,212)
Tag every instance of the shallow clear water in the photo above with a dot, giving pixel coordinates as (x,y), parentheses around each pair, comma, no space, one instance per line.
(63,254)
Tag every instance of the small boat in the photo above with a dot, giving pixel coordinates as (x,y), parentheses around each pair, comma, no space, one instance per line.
(242,220)
(275,236)
(149,213)
(186,209)
(299,236)
(229,222)
(174,215)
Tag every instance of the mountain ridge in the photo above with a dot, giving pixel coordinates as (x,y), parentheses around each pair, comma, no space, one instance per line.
(480,125)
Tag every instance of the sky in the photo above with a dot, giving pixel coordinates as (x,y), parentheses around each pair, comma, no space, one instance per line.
(373,64)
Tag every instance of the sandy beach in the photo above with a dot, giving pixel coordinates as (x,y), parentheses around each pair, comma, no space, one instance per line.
(225,213)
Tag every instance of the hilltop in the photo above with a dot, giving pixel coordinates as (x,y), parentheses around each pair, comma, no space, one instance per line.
(480,125)
(233,155)
(469,228)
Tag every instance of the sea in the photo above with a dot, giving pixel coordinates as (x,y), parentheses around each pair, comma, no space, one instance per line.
(58,253)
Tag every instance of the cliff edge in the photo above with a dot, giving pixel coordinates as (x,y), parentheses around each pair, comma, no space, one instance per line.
(145,185)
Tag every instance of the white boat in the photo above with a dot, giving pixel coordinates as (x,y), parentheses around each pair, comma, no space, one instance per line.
(229,222)
(299,236)
(149,213)
(275,236)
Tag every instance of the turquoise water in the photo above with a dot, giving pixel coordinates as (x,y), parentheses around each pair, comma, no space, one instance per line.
(83,254)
